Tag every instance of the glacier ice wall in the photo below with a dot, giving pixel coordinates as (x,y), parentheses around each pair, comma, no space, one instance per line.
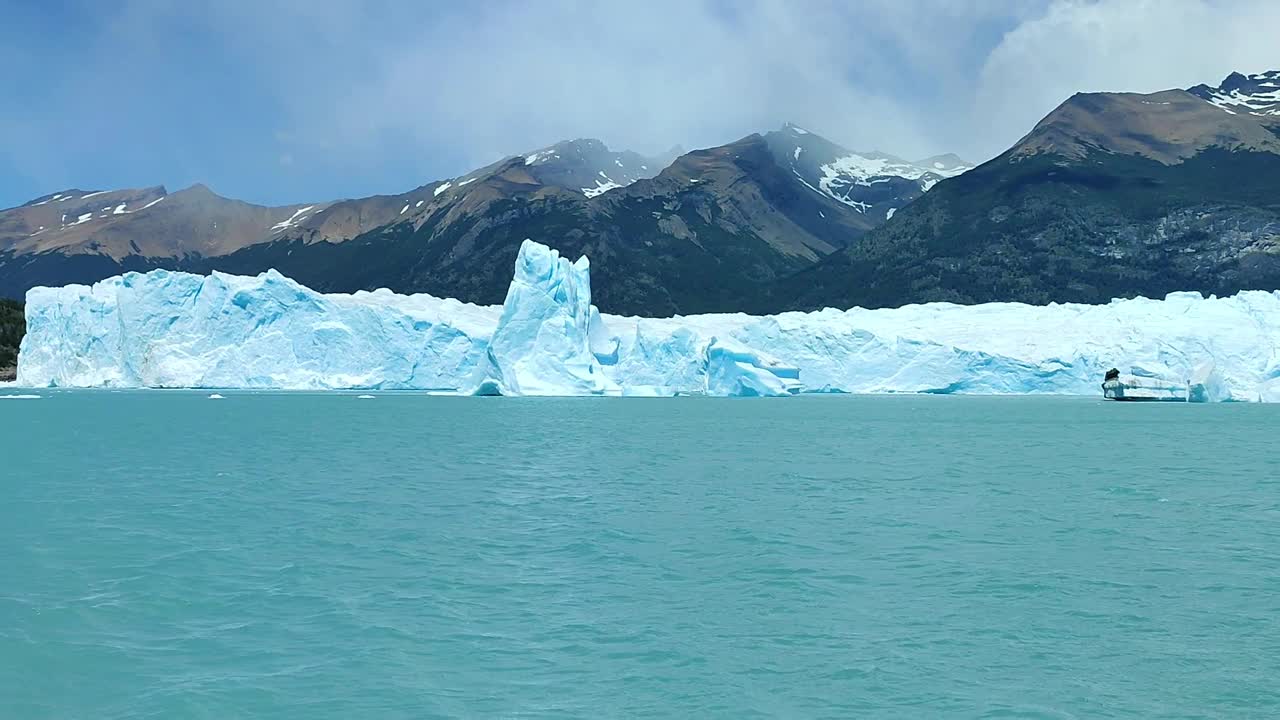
(165,329)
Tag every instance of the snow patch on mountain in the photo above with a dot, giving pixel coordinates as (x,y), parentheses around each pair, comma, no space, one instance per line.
(600,188)
(864,181)
(298,216)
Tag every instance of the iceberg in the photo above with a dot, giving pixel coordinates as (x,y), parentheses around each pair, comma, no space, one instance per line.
(170,329)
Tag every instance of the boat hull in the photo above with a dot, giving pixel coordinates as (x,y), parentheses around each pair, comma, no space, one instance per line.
(1143,390)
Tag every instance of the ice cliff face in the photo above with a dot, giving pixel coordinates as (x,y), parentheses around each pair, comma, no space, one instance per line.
(164,329)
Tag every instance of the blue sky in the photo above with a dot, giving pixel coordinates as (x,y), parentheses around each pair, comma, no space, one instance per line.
(276,101)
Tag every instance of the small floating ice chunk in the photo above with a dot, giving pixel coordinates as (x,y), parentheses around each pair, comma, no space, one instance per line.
(366,397)
(19,397)
(216,396)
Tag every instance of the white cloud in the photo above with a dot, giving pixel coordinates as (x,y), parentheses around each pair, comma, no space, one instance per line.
(382,95)
(637,75)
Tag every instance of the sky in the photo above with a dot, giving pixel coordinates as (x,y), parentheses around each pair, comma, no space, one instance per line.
(283,101)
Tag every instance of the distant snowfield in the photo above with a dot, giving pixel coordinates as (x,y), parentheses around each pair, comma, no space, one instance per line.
(600,188)
(839,175)
(167,329)
(297,217)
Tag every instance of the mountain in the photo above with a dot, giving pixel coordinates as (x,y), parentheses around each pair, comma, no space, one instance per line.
(79,236)
(1110,195)
(707,233)
(590,167)
(1257,95)
(149,222)
(874,184)
(709,230)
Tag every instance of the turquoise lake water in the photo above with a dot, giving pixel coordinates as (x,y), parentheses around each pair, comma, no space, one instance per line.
(163,555)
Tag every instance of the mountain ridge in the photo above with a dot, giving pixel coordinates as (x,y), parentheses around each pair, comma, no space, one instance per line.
(1111,195)
(736,208)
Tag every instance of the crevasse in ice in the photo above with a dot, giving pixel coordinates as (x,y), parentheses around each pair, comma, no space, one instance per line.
(168,329)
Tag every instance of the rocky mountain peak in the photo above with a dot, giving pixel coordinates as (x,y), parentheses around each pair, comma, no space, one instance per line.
(1168,126)
(198,191)
(588,166)
(1257,94)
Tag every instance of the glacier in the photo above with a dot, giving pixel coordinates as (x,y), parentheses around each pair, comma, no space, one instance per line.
(169,330)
